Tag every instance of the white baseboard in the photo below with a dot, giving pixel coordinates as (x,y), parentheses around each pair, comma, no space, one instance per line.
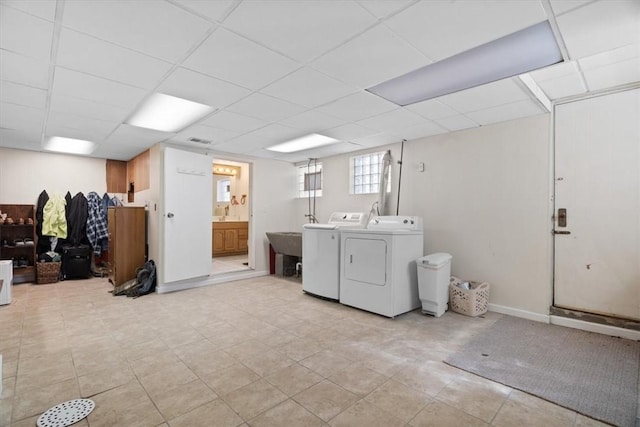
(209,280)
(567,322)
(595,327)
(516,312)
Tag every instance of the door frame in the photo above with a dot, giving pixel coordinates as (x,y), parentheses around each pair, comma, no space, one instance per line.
(251,252)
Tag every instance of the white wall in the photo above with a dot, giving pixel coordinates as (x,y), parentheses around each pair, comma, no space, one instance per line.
(484,197)
(335,191)
(24,174)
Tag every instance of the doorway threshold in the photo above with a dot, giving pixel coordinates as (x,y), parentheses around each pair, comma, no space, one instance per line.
(615,322)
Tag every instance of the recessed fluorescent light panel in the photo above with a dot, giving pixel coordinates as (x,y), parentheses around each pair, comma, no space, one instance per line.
(520,52)
(167,113)
(303,143)
(69,145)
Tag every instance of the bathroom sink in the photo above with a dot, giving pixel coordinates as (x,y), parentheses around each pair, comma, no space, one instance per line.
(286,242)
(223,218)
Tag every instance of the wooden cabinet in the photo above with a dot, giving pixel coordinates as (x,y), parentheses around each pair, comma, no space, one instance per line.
(229,238)
(126,242)
(18,239)
(116,176)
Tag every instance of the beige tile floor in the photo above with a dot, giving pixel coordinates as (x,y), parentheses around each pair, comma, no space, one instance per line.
(256,352)
(229,264)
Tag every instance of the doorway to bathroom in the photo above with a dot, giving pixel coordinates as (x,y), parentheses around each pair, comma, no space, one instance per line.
(230,225)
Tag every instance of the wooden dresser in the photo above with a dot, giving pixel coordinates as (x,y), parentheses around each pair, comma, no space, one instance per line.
(126,242)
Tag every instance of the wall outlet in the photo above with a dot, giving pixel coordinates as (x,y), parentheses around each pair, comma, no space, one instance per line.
(421,167)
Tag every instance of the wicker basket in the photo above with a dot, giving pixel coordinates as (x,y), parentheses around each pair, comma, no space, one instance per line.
(472,302)
(47,272)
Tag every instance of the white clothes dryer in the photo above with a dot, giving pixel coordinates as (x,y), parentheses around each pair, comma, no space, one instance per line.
(378,269)
(321,253)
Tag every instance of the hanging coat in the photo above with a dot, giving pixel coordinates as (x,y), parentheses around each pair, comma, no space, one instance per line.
(96,222)
(44,242)
(77,220)
(54,220)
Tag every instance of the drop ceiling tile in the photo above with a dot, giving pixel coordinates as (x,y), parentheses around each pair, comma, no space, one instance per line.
(61,129)
(377,140)
(562,6)
(393,120)
(265,107)
(201,88)
(233,122)
(83,107)
(589,29)
(109,151)
(455,123)
(502,113)
(103,59)
(489,95)
(264,137)
(309,88)
(45,9)
(349,132)
(169,35)
(212,10)
(320,152)
(358,106)
(563,86)
(215,135)
(312,121)
(25,34)
(332,150)
(371,58)
(442,29)
(24,70)
(23,140)
(383,8)
(21,118)
(127,135)
(555,71)
(302,30)
(619,73)
(99,128)
(432,109)
(14,93)
(91,88)
(611,57)
(420,131)
(235,59)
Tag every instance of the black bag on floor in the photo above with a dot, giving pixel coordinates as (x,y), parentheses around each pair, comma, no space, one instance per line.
(76,262)
(144,283)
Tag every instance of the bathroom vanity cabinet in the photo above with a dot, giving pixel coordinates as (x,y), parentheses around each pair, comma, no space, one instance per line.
(229,238)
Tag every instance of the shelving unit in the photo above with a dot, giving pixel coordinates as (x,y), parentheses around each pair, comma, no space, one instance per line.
(12,241)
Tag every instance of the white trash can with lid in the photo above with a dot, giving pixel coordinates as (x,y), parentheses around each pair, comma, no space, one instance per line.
(434,272)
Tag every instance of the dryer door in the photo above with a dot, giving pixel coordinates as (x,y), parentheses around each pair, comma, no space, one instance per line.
(365,260)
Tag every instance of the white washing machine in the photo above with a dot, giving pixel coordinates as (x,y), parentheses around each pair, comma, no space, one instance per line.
(321,253)
(378,269)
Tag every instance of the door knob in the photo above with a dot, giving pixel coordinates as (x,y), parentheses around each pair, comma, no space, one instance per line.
(170,215)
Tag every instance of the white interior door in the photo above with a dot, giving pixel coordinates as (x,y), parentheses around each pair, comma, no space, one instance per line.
(597,181)
(188,207)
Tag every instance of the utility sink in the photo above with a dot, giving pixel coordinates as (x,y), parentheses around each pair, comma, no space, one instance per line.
(286,242)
